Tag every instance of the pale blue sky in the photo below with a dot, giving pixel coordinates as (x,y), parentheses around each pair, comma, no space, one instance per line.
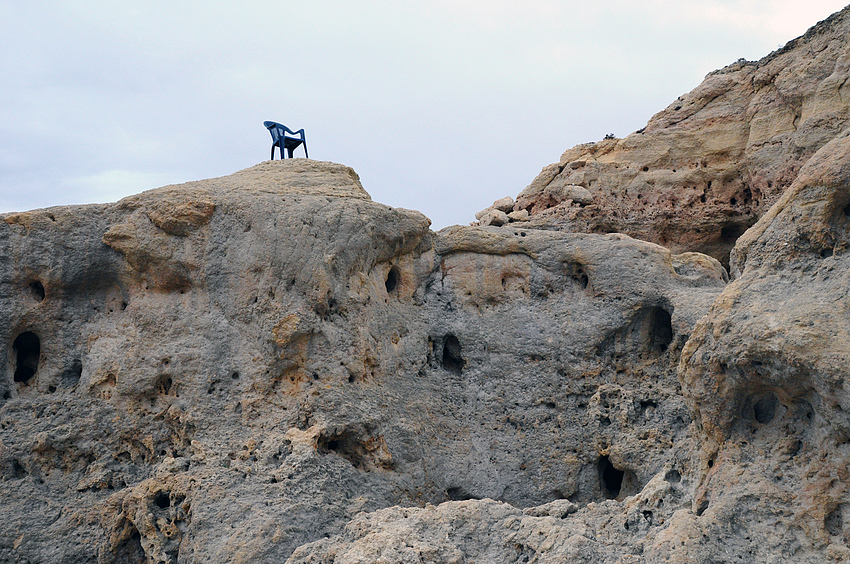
(440,106)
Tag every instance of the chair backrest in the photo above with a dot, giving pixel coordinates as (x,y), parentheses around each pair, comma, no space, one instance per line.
(279,131)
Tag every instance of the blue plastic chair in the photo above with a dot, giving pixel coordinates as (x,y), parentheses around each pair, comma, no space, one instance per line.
(282,141)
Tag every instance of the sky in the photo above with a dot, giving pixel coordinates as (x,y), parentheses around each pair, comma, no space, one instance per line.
(440,106)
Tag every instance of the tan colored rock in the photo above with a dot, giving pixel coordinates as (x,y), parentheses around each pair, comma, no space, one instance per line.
(518,215)
(493,217)
(265,361)
(708,166)
(505,204)
(271,367)
(764,372)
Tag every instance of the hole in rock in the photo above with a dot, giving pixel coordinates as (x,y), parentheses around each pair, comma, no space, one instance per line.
(37,290)
(673,476)
(392,279)
(646,169)
(235,376)
(27,349)
(18,471)
(350,446)
(834,523)
(701,507)
(452,358)
(165,383)
(660,330)
(610,478)
(733,201)
(72,373)
(459,494)
(847,210)
(162,500)
(730,233)
(579,275)
(764,408)
(130,550)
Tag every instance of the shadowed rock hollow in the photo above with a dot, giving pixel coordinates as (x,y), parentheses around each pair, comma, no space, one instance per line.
(271,367)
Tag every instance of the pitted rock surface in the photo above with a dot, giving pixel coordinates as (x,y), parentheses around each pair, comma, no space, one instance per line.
(271,367)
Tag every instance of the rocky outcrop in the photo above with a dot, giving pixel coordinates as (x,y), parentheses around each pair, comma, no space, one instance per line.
(228,369)
(713,162)
(272,367)
(763,475)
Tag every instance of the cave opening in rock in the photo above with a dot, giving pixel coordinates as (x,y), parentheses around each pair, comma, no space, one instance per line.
(27,349)
(764,409)
(660,330)
(37,290)
(458,493)
(162,500)
(730,233)
(610,478)
(452,357)
(392,279)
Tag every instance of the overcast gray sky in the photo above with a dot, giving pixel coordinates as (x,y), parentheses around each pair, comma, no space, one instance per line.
(440,106)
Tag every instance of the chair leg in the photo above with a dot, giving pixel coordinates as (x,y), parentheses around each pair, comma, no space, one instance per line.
(289,150)
(272,157)
(306,156)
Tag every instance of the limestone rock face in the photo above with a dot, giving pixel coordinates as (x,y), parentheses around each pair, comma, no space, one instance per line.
(228,369)
(271,367)
(766,371)
(707,167)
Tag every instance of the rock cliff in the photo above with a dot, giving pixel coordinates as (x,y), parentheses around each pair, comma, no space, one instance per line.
(705,169)
(272,367)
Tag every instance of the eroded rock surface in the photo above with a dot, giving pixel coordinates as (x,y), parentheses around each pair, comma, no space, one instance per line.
(271,367)
(707,167)
(228,369)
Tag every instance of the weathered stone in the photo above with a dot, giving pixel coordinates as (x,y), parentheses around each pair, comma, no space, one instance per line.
(518,215)
(493,217)
(249,384)
(505,204)
(708,166)
(765,374)
(271,367)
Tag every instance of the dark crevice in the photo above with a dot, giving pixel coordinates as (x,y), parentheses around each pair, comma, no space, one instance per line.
(27,349)
(660,330)
(730,233)
(834,524)
(452,354)
(72,373)
(37,290)
(392,279)
(457,493)
(764,409)
(162,500)
(610,478)
(130,550)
